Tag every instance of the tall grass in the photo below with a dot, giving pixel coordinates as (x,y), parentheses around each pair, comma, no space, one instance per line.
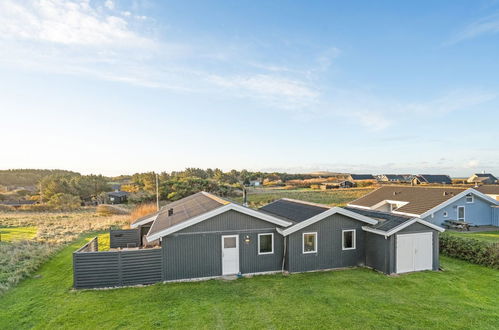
(143,210)
(18,259)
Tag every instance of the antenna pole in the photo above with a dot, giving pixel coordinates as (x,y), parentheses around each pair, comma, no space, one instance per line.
(157,191)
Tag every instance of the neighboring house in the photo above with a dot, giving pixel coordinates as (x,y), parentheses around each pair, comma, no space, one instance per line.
(392,178)
(361,177)
(483,178)
(337,184)
(434,205)
(204,236)
(489,190)
(431,179)
(255,183)
(117,197)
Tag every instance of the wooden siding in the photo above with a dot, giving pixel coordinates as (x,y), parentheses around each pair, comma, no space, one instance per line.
(330,253)
(196,252)
(377,252)
(116,268)
(121,238)
(495,216)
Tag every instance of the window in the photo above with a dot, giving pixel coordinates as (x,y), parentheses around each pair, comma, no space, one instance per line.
(348,239)
(469,198)
(230,242)
(265,243)
(446,214)
(309,242)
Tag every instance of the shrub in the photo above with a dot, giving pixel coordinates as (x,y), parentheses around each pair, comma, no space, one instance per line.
(6,208)
(64,202)
(37,208)
(471,250)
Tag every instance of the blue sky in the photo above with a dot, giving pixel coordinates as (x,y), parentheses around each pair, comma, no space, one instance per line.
(119,87)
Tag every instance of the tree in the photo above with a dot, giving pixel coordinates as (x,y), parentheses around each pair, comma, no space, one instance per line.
(65,202)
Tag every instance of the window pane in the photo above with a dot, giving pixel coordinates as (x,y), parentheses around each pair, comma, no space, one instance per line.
(348,239)
(266,243)
(229,242)
(309,242)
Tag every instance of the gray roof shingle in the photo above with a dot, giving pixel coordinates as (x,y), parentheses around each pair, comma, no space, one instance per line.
(294,210)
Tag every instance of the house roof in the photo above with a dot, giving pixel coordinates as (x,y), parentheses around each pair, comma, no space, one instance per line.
(491,189)
(193,209)
(418,199)
(293,210)
(387,221)
(185,209)
(362,177)
(395,177)
(117,193)
(484,176)
(145,219)
(434,178)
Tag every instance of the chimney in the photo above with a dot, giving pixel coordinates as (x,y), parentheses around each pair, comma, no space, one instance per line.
(245,197)
(170,212)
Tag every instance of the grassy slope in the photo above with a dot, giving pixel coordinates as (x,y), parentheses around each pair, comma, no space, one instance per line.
(464,296)
(9,234)
(336,197)
(489,236)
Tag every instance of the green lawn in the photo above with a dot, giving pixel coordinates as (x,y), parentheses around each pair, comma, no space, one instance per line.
(463,296)
(488,236)
(9,234)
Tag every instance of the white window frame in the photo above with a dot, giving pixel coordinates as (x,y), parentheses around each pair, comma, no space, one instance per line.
(303,242)
(263,253)
(446,214)
(354,239)
(472,198)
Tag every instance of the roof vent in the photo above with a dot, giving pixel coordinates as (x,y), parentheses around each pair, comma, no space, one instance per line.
(170,212)
(445,193)
(396,193)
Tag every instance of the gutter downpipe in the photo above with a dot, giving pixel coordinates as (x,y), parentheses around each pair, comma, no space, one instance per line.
(284,255)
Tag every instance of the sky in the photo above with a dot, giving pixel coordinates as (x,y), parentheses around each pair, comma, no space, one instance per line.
(124,86)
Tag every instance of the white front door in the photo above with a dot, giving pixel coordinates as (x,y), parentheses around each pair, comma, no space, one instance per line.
(414,252)
(461,213)
(230,254)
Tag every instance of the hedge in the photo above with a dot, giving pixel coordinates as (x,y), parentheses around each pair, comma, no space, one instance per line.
(471,250)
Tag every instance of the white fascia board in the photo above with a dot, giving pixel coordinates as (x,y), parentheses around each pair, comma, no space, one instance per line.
(215,212)
(459,196)
(144,221)
(359,207)
(402,226)
(405,213)
(326,214)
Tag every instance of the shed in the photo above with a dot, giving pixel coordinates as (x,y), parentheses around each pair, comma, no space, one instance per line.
(117,197)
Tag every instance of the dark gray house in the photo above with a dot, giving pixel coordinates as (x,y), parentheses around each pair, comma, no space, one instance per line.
(204,236)
(431,179)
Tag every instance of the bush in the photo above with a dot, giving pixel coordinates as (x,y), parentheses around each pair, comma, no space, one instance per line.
(37,207)
(471,250)
(106,209)
(6,208)
(64,202)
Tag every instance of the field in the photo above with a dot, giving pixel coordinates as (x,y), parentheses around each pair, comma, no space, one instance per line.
(462,296)
(489,236)
(336,197)
(29,239)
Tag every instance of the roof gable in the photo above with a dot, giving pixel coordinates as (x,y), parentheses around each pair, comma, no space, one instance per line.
(435,178)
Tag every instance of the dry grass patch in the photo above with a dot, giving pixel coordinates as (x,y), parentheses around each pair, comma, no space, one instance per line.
(19,258)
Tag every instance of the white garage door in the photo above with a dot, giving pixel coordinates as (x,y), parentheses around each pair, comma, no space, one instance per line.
(414,252)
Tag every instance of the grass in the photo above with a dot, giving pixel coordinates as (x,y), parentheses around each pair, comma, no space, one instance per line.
(9,234)
(488,236)
(32,237)
(336,197)
(462,296)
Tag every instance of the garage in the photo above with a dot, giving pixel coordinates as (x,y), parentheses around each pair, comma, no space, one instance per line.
(414,252)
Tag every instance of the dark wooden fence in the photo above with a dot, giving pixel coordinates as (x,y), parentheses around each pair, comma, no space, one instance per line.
(97,269)
(123,238)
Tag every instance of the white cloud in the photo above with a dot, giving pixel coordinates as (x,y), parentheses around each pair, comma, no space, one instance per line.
(485,25)
(64,22)
(109,4)
(283,92)
(472,164)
